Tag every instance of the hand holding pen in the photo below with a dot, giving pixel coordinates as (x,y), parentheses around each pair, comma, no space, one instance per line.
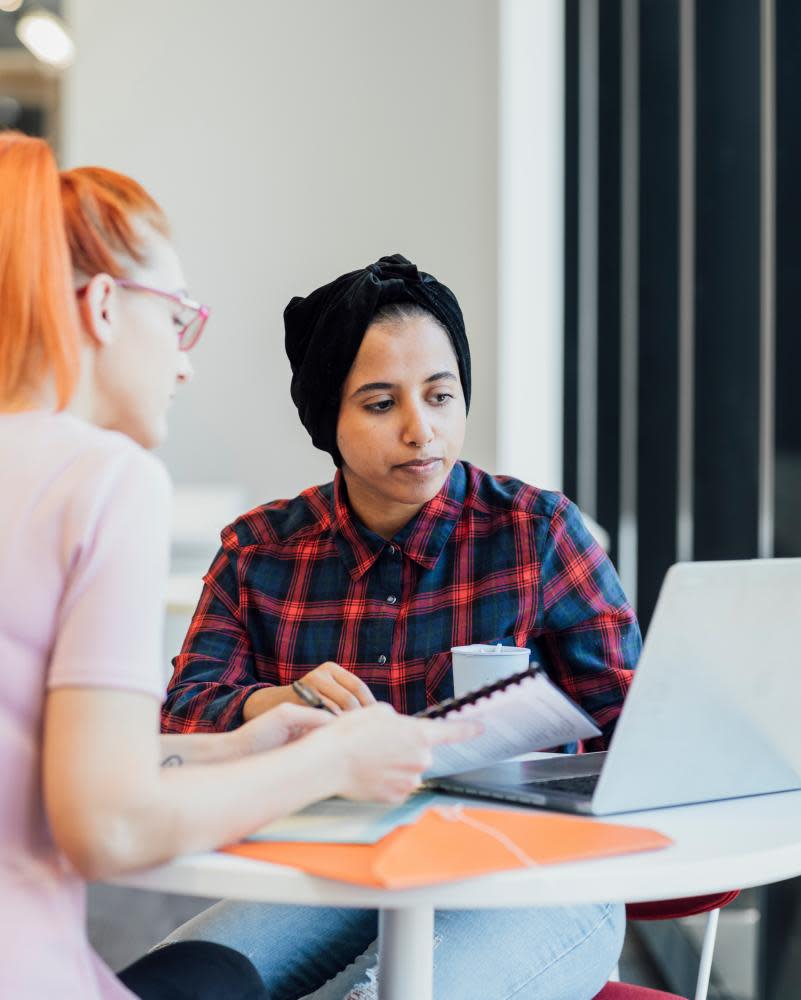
(311,698)
(336,688)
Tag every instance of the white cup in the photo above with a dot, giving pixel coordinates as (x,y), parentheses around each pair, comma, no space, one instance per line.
(478,665)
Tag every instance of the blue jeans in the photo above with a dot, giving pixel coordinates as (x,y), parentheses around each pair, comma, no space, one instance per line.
(330,954)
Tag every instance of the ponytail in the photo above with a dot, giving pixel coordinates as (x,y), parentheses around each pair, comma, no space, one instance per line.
(39,326)
(104,212)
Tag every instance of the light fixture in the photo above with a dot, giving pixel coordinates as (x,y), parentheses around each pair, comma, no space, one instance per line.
(10,5)
(46,36)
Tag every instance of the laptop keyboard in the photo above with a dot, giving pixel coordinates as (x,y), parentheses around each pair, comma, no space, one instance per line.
(581,785)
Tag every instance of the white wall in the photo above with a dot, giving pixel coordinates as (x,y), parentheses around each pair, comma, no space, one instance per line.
(530,240)
(290,142)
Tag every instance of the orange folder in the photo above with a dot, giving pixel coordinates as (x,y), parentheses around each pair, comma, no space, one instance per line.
(454,842)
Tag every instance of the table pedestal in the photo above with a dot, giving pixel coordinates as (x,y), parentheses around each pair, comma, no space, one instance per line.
(406,952)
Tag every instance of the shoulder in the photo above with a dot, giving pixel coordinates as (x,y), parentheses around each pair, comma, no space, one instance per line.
(74,479)
(114,463)
(94,447)
(69,458)
(282,522)
(552,523)
(116,479)
(505,497)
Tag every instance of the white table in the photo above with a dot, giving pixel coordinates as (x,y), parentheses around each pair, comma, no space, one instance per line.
(717,846)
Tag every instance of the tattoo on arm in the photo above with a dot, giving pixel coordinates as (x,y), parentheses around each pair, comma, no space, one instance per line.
(174,760)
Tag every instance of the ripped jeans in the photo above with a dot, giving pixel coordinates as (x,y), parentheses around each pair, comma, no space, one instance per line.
(324,953)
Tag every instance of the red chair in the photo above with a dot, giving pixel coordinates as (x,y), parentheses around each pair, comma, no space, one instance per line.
(671,909)
(625,991)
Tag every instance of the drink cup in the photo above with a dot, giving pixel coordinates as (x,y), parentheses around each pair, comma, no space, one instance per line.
(478,665)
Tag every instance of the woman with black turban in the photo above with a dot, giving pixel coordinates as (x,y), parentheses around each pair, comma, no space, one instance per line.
(360,588)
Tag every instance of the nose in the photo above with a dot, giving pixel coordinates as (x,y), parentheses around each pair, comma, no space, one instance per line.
(185,369)
(417,429)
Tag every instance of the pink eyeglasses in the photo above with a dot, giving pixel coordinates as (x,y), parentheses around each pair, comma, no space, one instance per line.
(190,320)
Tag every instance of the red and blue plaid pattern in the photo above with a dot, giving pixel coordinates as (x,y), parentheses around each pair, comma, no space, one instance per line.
(489,559)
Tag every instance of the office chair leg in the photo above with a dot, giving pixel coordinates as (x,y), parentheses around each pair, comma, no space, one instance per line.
(707,950)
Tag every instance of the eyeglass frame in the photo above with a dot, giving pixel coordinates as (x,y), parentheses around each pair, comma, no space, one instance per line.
(201,312)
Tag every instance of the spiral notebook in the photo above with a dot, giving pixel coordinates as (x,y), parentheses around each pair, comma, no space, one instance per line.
(521,713)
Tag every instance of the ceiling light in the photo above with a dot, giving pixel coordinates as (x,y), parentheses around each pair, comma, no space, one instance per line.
(46,36)
(10,5)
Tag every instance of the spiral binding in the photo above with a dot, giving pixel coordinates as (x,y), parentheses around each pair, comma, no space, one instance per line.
(449,705)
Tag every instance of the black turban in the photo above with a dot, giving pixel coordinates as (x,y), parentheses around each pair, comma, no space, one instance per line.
(325,329)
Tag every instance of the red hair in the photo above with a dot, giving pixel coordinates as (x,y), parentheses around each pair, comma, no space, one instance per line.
(101,212)
(39,325)
(51,226)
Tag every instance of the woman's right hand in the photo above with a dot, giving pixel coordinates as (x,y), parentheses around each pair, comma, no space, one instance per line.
(382,754)
(338,688)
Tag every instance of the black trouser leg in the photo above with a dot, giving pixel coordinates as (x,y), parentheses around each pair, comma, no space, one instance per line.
(194,970)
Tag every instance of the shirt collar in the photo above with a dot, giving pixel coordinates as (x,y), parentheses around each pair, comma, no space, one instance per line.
(422,539)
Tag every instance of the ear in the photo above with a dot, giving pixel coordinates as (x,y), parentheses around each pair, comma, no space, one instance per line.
(98,308)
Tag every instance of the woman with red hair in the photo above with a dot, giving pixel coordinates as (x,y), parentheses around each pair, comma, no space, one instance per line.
(94,329)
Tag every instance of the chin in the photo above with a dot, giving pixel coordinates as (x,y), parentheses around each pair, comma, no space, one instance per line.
(420,492)
(150,436)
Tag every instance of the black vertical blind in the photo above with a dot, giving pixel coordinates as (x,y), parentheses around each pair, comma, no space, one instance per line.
(727,279)
(658,314)
(726,390)
(609,166)
(788,279)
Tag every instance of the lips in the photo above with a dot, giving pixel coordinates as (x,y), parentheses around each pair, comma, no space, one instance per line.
(420,467)
(420,463)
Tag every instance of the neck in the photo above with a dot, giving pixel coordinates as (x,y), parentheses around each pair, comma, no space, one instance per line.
(380,514)
(43,398)
(83,404)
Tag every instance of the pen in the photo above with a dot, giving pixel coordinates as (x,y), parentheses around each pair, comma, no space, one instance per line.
(305,693)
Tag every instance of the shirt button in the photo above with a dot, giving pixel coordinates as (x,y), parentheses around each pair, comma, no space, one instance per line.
(382,659)
(392,599)
(393,550)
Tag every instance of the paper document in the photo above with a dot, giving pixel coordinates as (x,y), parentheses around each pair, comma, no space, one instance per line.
(531,715)
(341,821)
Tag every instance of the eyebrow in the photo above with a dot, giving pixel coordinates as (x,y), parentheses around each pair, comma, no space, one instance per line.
(376,386)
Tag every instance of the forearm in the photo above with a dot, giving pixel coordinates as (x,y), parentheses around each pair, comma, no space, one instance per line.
(199,748)
(196,808)
(192,706)
(113,808)
(265,698)
(220,803)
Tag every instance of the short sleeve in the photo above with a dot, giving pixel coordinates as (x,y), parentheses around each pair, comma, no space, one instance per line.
(111,617)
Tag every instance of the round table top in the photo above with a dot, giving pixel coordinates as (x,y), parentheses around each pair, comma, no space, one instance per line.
(716,846)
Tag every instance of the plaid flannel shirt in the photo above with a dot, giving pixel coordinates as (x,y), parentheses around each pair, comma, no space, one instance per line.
(489,559)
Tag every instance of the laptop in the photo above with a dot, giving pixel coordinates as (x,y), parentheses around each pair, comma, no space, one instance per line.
(713,712)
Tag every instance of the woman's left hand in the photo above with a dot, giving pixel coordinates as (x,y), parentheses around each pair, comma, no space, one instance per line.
(280,725)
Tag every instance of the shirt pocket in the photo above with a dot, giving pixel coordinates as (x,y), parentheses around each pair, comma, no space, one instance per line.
(439,678)
(439,670)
